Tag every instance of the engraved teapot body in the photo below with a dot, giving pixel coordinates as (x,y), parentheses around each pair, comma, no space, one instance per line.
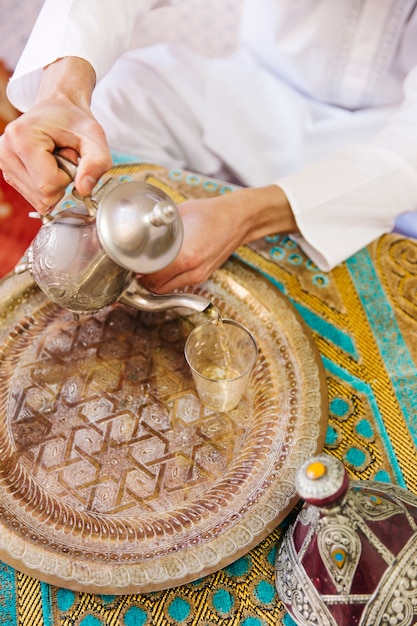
(87,255)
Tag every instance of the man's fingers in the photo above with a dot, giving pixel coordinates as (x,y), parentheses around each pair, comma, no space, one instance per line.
(17,176)
(94,162)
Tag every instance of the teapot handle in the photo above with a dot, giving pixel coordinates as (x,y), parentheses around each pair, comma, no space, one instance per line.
(71,170)
(66,165)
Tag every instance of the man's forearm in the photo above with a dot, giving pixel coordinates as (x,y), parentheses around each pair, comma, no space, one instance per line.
(70,78)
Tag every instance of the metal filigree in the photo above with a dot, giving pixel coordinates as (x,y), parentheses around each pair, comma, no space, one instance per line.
(340,549)
(296,589)
(396,600)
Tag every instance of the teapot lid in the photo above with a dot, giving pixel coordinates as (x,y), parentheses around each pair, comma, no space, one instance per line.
(139,226)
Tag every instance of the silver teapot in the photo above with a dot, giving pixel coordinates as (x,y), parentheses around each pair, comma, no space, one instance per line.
(87,256)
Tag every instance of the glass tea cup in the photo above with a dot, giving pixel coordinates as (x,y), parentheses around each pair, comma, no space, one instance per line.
(221,356)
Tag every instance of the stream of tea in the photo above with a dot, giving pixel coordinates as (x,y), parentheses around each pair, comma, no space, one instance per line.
(224,369)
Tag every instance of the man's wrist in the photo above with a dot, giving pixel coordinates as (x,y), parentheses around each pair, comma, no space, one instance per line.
(270,212)
(68,78)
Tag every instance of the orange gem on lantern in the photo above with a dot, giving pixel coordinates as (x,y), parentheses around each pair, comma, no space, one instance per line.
(316,470)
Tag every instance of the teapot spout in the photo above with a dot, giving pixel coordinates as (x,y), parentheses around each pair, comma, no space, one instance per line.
(139,297)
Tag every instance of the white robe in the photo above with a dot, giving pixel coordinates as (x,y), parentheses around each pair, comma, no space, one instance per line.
(320,98)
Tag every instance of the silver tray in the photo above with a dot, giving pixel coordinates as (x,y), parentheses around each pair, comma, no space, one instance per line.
(113,477)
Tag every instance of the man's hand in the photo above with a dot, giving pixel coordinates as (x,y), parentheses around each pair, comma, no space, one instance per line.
(60,119)
(215,228)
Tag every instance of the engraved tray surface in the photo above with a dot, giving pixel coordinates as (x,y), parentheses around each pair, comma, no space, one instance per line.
(113,477)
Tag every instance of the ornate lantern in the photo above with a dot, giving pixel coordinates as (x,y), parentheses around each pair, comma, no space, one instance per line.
(350,557)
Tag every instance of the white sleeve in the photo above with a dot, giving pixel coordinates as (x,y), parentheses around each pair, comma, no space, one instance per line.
(345,201)
(97,31)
